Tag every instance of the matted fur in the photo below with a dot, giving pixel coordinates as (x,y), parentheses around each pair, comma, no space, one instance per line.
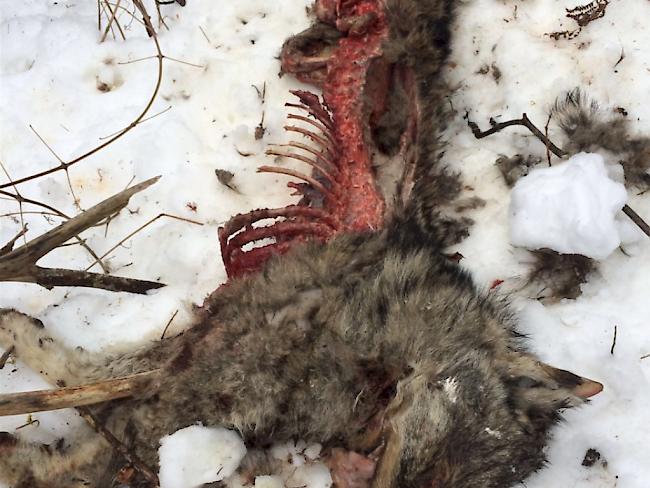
(589,128)
(315,347)
(368,341)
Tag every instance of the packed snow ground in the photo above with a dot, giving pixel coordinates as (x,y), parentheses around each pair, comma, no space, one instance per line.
(57,77)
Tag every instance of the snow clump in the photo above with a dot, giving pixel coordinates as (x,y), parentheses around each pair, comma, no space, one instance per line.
(196,455)
(570,208)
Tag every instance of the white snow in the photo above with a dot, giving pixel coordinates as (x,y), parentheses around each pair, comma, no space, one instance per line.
(196,455)
(570,207)
(51,64)
(268,482)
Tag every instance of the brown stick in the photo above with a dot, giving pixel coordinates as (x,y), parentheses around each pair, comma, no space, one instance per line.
(611,351)
(560,153)
(8,247)
(5,356)
(20,264)
(134,460)
(75,396)
(636,218)
(523,121)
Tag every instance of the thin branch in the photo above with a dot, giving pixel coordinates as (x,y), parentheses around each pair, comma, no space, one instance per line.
(151,221)
(20,203)
(5,356)
(137,60)
(141,121)
(129,13)
(9,246)
(548,151)
(103,9)
(111,20)
(51,277)
(205,35)
(133,459)
(76,396)
(33,212)
(20,264)
(67,173)
(161,19)
(143,113)
(636,218)
(39,247)
(523,121)
(168,324)
(57,212)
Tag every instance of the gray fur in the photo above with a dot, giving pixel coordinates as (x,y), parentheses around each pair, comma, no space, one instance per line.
(588,128)
(321,345)
(368,342)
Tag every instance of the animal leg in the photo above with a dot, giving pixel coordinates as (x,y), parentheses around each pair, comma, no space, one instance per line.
(32,343)
(30,465)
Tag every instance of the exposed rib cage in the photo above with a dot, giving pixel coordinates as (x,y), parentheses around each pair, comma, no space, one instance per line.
(314,216)
(340,194)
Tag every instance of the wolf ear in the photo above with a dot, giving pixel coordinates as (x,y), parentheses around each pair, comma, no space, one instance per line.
(537,385)
(578,385)
(538,391)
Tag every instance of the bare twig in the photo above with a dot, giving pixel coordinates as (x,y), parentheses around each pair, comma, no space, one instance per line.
(561,153)
(141,121)
(5,356)
(611,351)
(548,151)
(149,222)
(168,324)
(76,396)
(111,20)
(205,35)
(8,247)
(51,277)
(102,6)
(20,264)
(523,121)
(636,218)
(20,203)
(20,199)
(65,165)
(30,421)
(67,172)
(161,18)
(134,460)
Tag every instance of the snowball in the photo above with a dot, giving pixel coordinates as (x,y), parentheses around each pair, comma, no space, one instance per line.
(196,455)
(569,207)
(314,475)
(313,451)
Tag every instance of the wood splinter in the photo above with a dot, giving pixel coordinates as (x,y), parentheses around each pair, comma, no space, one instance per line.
(77,396)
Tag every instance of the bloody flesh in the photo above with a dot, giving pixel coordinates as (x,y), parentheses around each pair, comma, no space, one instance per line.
(341,193)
